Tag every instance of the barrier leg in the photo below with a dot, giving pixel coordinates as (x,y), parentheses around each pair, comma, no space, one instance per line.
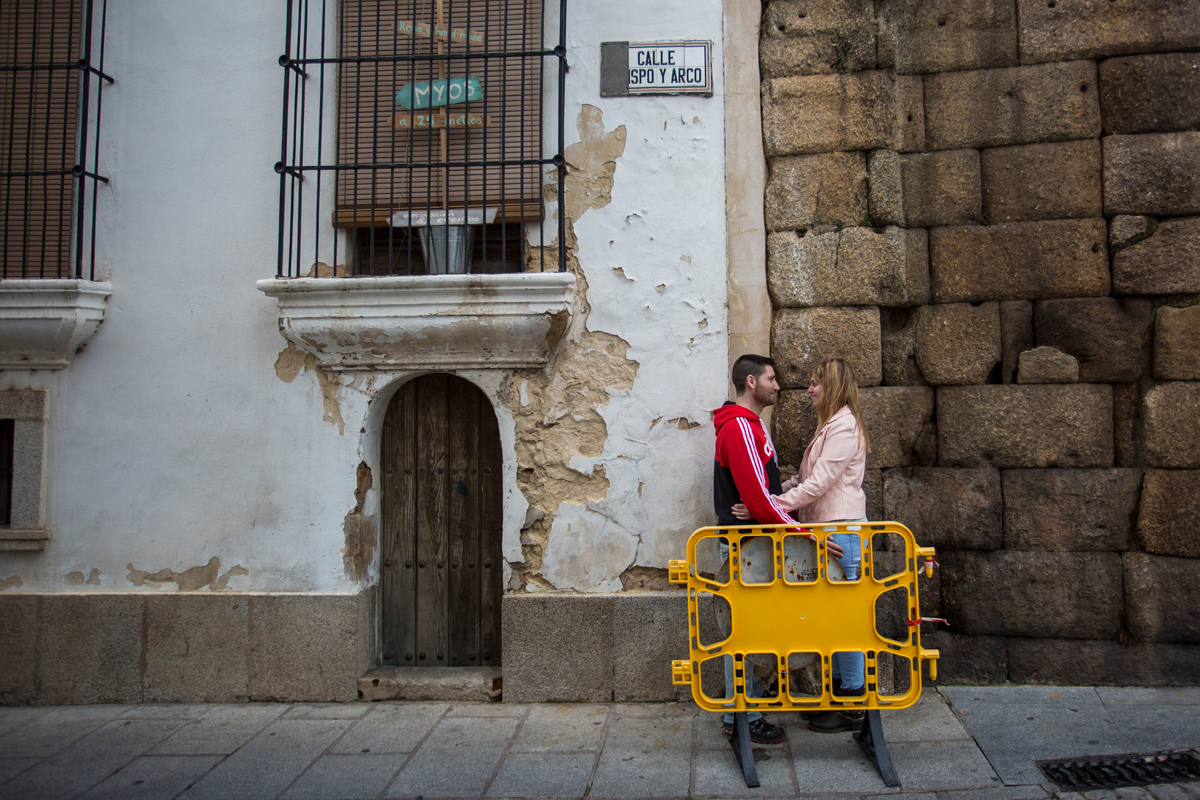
(871,740)
(739,740)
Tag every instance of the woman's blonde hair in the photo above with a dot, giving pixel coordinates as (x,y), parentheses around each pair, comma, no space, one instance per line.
(838,388)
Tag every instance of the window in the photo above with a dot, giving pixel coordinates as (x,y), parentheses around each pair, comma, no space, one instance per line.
(439,136)
(47,189)
(23,452)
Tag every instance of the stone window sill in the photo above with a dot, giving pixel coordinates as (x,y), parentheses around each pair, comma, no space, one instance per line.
(23,539)
(43,323)
(425,322)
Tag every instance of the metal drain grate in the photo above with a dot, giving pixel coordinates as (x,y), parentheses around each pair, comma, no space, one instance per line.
(1134,769)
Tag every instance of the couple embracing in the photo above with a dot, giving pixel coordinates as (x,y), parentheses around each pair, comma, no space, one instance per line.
(828,488)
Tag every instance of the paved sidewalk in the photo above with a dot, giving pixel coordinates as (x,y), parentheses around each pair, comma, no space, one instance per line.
(395,749)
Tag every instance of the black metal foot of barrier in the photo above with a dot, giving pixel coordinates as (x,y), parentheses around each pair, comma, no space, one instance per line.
(739,740)
(871,740)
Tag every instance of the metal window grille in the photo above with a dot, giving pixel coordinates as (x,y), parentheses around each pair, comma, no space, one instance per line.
(435,109)
(51,73)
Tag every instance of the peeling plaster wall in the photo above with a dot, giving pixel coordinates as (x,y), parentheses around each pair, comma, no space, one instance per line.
(618,481)
(190,448)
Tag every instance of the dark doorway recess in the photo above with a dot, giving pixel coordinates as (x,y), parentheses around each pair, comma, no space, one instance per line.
(442,508)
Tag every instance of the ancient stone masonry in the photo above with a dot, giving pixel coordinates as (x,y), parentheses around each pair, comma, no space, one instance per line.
(992,211)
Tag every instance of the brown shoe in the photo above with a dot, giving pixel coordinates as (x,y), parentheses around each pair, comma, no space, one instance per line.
(835,722)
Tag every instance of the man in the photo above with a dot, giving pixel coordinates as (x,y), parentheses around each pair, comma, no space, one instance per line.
(746,471)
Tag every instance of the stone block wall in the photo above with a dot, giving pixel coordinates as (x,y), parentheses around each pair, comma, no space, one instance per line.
(992,211)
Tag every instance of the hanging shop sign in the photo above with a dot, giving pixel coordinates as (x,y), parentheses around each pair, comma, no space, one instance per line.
(442,92)
(683,67)
(423,30)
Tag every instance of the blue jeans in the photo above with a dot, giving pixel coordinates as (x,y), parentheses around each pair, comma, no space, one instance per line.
(849,668)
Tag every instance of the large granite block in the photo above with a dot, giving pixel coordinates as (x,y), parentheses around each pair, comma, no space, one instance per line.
(853,266)
(1152,173)
(1055,662)
(820,188)
(1053,31)
(18,655)
(802,338)
(1128,428)
(1041,595)
(1172,415)
(941,188)
(1016,105)
(794,422)
(1151,93)
(1025,426)
(846,111)
(968,660)
(951,509)
(1162,595)
(89,648)
(1165,261)
(802,38)
(1016,336)
(1019,261)
(1056,180)
(1069,510)
(305,647)
(196,648)
(1109,338)
(1170,505)
(899,422)
(957,343)
(898,347)
(1047,365)
(919,36)
(558,648)
(1177,344)
(649,632)
(885,188)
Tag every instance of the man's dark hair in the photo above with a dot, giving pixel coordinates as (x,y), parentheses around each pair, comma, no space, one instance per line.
(747,365)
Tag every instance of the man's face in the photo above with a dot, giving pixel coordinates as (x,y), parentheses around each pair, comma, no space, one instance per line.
(764,388)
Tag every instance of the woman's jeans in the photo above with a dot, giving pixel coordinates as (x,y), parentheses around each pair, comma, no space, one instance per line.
(850,668)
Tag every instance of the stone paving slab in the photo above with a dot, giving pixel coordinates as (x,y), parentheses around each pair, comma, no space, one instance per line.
(268,764)
(645,757)
(49,733)
(562,729)
(89,760)
(222,730)
(338,777)
(152,777)
(543,775)
(457,760)
(391,728)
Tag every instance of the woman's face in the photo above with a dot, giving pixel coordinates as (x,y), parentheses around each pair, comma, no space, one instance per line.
(814,390)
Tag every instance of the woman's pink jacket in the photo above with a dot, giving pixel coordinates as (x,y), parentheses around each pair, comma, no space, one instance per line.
(831,473)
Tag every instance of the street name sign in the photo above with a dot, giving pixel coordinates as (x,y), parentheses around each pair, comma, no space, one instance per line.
(656,68)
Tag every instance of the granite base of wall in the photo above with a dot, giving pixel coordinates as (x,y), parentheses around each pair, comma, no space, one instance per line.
(184,647)
(601,648)
(593,648)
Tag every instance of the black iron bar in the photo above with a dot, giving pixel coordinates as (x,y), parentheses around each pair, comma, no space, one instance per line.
(560,160)
(320,147)
(429,57)
(96,144)
(287,43)
(84,105)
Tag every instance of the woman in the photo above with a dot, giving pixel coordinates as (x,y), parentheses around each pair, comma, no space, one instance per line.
(829,489)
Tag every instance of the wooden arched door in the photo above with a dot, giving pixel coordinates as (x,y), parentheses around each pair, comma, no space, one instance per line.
(441,575)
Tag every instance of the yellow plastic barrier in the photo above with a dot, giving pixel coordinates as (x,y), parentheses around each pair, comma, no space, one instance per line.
(794,606)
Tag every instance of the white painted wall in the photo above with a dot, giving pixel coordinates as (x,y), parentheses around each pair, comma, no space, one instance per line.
(172,440)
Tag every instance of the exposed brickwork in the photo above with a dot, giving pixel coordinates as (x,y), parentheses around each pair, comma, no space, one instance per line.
(1035,406)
